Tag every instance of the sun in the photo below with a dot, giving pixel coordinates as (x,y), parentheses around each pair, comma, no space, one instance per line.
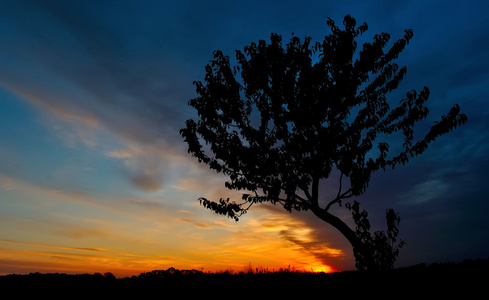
(322,269)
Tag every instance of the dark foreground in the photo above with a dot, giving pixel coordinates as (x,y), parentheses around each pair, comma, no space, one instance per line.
(467,278)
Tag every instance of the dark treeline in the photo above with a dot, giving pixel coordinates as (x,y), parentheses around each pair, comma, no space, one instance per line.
(473,270)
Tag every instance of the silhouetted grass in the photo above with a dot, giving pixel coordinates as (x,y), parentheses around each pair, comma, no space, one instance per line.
(469,276)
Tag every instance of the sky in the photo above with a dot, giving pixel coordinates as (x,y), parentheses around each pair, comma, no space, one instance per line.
(94,176)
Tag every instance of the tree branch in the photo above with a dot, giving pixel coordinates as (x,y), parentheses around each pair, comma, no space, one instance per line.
(308,195)
(315,192)
(339,189)
(339,196)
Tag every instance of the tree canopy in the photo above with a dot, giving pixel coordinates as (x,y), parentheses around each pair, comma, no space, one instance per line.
(286,116)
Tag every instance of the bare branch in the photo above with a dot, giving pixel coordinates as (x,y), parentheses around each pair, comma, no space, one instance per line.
(345,195)
(339,189)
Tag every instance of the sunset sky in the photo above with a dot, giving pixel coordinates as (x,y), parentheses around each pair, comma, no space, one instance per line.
(94,176)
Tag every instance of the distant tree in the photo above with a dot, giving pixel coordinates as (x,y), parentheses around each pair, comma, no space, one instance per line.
(109,275)
(285,118)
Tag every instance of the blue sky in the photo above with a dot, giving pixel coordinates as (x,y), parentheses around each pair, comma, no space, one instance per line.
(93,93)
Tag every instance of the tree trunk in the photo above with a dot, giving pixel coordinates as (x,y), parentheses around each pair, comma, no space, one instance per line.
(349,234)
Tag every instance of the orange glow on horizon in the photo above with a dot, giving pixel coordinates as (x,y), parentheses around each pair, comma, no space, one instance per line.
(323,269)
(127,236)
(32,258)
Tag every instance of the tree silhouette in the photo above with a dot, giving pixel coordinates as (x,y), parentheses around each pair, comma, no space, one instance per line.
(286,117)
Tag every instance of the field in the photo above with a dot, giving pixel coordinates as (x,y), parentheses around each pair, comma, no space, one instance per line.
(465,279)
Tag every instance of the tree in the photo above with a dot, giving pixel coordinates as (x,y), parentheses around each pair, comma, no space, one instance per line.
(284,118)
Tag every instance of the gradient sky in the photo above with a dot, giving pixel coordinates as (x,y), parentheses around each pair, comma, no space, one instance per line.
(94,176)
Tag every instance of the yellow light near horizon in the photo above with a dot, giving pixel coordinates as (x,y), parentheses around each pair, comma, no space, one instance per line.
(322,269)
(73,233)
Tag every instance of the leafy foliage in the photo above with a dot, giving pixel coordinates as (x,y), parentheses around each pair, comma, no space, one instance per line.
(382,249)
(287,116)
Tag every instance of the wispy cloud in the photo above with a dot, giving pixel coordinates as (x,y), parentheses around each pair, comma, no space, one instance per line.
(145,166)
(426,191)
(48,258)
(87,249)
(79,69)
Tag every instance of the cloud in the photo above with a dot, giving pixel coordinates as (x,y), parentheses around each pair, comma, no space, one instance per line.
(144,166)
(121,154)
(426,191)
(78,206)
(304,236)
(11,184)
(74,130)
(301,234)
(82,69)
(76,67)
(88,249)
(147,183)
(7,183)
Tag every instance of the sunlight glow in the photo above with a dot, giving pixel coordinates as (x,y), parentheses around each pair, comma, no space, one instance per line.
(322,269)
(85,234)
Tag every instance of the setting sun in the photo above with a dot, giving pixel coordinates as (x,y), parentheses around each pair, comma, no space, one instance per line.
(324,269)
